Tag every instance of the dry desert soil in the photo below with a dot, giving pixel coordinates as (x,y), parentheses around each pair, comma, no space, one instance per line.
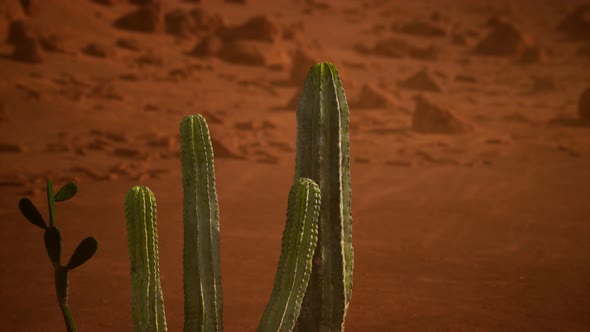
(470,152)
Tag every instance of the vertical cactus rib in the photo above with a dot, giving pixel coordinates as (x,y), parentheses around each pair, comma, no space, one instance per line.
(323,156)
(147,301)
(201,253)
(294,269)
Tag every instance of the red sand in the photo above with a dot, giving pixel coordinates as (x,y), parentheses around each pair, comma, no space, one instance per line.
(485,229)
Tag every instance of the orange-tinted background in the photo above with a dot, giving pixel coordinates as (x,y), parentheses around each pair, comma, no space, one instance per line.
(470,152)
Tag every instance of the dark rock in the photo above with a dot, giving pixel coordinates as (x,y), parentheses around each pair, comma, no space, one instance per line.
(109,2)
(54,43)
(150,59)
(30,7)
(304,58)
(373,96)
(429,118)
(424,53)
(576,25)
(145,19)
(210,45)
(155,3)
(183,23)
(504,39)
(392,48)
(12,148)
(253,53)
(421,28)
(259,28)
(25,39)
(128,44)
(98,50)
(532,55)
(421,81)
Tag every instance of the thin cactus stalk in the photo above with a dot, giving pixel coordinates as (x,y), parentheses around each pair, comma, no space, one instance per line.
(147,301)
(52,239)
(298,245)
(323,156)
(201,254)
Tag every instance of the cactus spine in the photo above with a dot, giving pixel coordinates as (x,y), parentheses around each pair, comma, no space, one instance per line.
(298,244)
(323,156)
(201,257)
(147,301)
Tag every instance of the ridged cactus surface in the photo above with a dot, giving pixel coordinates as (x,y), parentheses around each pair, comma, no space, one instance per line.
(201,256)
(147,303)
(298,245)
(323,156)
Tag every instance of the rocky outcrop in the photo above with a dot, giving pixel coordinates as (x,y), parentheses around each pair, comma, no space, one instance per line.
(429,118)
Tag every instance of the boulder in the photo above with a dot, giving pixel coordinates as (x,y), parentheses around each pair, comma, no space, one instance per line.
(25,39)
(251,53)
(392,48)
(129,44)
(243,52)
(429,118)
(373,96)
(576,24)
(145,19)
(304,58)
(31,7)
(208,46)
(504,39)
(156,3)
(109,2)
(420,81)
(184,23)
(532,55)
(258,28)
(9,12)
(420,28)
(98,50)
(55,43)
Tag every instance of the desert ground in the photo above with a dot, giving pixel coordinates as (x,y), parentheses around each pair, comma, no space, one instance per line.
(470,152)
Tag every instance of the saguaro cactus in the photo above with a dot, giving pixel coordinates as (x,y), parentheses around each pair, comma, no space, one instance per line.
(323,156)
(298,244)
(314,276)
(147,302)
(202,272)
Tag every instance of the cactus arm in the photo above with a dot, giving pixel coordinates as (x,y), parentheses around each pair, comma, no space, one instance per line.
(323,155)
(147,301)
(298,244)
(201,254)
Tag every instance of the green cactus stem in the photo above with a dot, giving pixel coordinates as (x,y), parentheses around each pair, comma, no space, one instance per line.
(147,303)
(298,244)
(201,254)
(323,156)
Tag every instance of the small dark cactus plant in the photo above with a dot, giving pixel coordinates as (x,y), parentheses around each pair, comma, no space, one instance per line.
(52,237)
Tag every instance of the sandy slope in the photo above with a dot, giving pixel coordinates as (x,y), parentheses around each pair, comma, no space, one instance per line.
(470,209)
